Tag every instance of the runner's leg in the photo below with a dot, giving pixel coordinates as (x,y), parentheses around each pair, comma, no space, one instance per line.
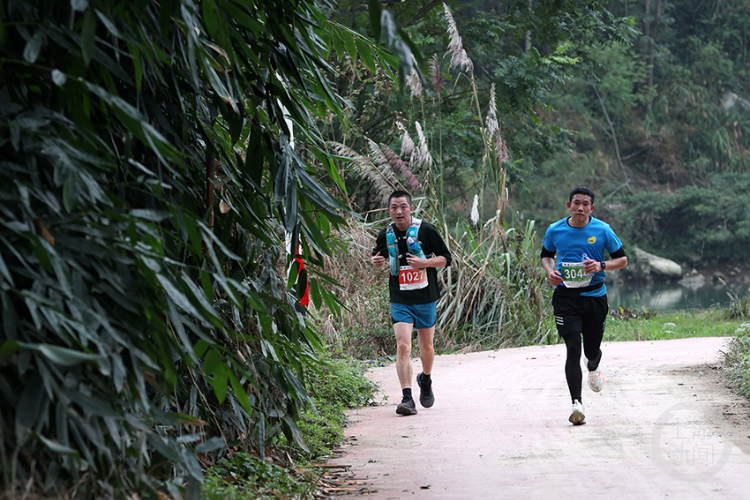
(593,330)
(573,374)
(403,333)
(427,348)
(568,319)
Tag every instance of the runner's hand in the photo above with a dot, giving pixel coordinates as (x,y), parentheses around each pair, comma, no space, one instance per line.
(591,266)
(378,260)
(555,278)
(416,262)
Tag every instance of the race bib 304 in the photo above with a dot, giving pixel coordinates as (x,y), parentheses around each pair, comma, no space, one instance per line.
(574,276)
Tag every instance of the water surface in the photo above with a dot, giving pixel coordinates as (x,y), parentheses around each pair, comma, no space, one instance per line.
(663,297)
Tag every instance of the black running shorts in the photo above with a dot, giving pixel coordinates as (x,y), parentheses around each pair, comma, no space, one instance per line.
(580,314)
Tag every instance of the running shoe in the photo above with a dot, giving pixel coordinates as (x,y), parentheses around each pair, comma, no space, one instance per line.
(576,416)
(407,406)
(596,380)
(426,397)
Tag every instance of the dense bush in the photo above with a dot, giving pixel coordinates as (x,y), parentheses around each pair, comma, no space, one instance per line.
(737,359)
(709,222)
(147,318)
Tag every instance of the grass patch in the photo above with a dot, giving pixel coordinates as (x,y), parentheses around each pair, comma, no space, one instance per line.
(248,477)
(671,325)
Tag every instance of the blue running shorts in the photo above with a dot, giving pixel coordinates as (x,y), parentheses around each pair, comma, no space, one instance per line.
(420,315)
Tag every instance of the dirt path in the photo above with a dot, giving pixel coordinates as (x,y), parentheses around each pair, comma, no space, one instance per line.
(665,426)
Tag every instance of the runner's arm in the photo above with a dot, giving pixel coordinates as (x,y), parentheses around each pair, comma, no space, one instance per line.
(380,252)
(550,267)
(417,263)
(435,246)
(618,261)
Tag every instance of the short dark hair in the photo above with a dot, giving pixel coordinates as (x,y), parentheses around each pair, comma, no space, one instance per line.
(582,190)
(399,194)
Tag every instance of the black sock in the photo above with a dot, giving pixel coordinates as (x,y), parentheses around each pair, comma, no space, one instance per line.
(425,377)
(407,392)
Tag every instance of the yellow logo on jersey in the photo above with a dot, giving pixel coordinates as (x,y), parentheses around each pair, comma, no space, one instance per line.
(592,239)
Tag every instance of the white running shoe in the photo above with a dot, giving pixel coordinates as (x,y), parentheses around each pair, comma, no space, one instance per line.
(576,416)
(596,380)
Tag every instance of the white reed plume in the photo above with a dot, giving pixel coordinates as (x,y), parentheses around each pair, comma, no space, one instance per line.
(380,161)
(425,159)
(492,126)
(493,130)
(366,168)
(414,83)
(459,58)
(407,144)
(475,210)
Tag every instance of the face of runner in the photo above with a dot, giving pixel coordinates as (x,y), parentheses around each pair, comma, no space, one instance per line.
(580,209)
(400,212)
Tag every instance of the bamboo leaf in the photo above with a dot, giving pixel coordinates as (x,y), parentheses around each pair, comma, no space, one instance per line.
(365,52)
(33,47)
(351,47)
(315,293)
(88,36)
(56,447)
(388,26)
(219,382)
(240,393)
(79,5)
(210,445)
(59,77)
(28,409)
(210,16)
(60,355)
(338,45)
(375,9)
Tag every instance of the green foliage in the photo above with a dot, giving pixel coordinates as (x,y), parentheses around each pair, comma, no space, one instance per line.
(338,385)
(651,114)
(248,477)
(737,359)
(560,39)
(739,306)
(148,178)
(710,222)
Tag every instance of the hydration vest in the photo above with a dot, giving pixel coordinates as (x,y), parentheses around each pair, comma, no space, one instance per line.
(411,242)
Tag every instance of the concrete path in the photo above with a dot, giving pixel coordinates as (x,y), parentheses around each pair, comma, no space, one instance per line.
(665,426)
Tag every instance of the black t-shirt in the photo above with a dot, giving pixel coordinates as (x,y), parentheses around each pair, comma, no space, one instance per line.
(432,245)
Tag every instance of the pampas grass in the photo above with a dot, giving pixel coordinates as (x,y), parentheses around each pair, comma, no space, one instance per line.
(380,175)
(400,166)
(424,158)
(407,144)
(459,59)
(414,83)
(493,130)
(437,75)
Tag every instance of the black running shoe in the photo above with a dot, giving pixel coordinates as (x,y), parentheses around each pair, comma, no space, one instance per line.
(407,407)
(426,397)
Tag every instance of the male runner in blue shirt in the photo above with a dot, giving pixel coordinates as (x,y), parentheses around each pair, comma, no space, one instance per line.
(580,297)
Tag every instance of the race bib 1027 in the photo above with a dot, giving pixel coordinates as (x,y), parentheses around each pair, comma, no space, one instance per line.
(412,279)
